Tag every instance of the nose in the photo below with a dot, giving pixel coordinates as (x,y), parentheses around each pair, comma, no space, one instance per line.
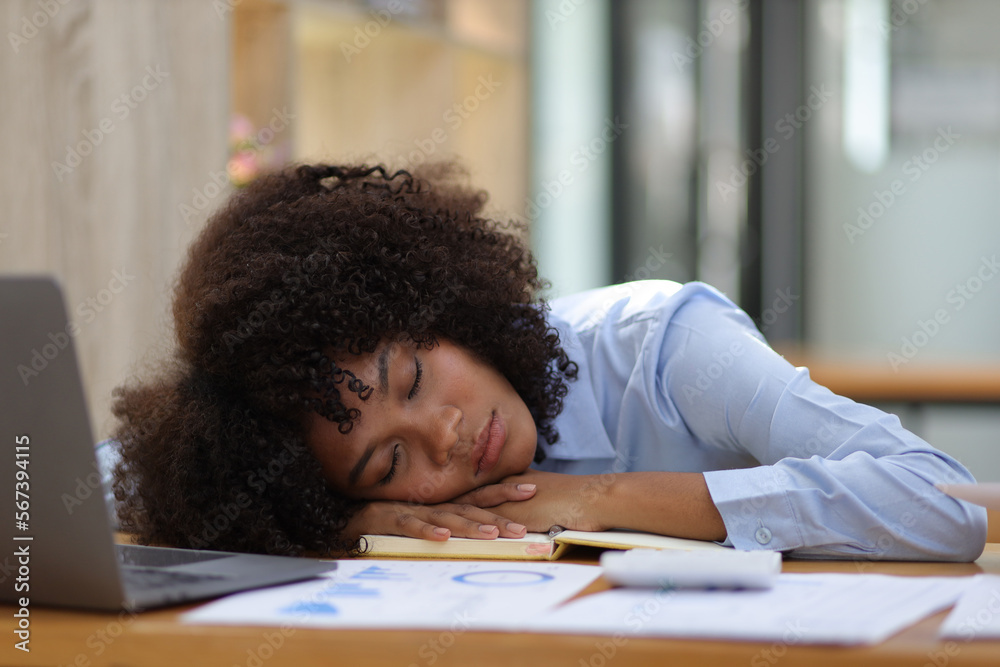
(442,434)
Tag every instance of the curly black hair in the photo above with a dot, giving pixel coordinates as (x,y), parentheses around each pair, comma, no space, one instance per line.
(311,263)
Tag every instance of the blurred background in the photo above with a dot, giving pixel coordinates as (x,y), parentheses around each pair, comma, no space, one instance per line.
(832,165)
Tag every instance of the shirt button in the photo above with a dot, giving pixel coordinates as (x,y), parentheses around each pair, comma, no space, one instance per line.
(763,535)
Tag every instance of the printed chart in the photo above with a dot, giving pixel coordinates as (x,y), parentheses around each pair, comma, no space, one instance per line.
(456,595)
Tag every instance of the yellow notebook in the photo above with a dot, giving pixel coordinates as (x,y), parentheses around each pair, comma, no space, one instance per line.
(533,546)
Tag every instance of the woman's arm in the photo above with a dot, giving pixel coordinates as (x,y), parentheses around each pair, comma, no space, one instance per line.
(667,503)
(679,378)
(838,478)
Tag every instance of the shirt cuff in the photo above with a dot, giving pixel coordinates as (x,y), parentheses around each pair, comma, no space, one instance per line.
(755,507)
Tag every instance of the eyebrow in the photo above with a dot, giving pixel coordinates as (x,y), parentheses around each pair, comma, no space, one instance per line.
(382,366)
(359,467)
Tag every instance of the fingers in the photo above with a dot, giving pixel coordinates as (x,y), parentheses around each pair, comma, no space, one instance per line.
(409,525)
(440,522)
(433,522)
(466,520)
(492,495)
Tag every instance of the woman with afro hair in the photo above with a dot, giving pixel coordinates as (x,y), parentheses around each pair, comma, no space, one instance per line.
(361,351)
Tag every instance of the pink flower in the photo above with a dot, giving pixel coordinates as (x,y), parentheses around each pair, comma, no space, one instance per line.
(243,167)
(240,129)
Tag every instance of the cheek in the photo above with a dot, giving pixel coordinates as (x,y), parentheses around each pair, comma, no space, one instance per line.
(436,486)
(527,442)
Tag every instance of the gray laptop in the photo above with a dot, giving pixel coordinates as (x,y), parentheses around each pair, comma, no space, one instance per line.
(59,552)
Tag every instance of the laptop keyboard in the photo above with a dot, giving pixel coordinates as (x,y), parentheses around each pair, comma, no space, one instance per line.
(147,578)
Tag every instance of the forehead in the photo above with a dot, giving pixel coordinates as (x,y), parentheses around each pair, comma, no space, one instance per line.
(352,373)
(371,369)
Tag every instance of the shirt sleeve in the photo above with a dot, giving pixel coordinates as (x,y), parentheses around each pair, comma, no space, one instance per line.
(838,478)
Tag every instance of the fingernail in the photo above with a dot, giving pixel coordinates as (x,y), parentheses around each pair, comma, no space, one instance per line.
(488,529)
(516,528)
(442,531)
(525,487)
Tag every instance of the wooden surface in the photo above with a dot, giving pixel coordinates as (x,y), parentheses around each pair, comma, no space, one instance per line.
(156,638)
(86,65)
(878,382)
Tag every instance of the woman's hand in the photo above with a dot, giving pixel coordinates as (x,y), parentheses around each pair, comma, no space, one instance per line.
(576,502)
(463,517)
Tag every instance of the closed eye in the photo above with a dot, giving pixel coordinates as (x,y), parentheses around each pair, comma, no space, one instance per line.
(416,379)
(392,468)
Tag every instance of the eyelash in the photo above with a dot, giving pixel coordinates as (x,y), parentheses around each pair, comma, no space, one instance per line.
(395,450)
(392,468)
(416,380)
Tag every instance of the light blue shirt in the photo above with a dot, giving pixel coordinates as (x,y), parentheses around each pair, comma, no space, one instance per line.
(677,378)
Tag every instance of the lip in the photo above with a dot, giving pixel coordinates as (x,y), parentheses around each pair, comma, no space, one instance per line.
(490,442)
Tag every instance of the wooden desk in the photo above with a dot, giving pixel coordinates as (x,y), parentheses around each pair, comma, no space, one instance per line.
(156,638)
(876,381)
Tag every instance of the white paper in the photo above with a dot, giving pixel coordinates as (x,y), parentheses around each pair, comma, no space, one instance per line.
(368,593)
(800,609)
(977,614)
